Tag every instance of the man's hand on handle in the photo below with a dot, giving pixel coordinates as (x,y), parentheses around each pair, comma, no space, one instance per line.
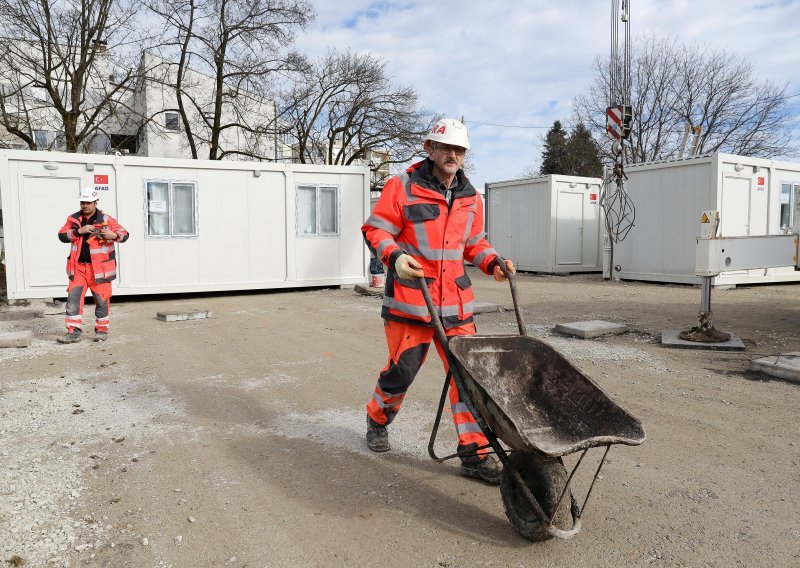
(407,267)
(498,273)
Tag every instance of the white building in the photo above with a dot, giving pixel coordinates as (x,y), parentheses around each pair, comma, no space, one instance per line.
(252,133)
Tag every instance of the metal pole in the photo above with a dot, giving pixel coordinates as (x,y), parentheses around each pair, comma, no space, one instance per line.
(705,295)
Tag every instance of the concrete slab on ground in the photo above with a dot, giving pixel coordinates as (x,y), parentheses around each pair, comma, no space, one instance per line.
(784,366)
(183,316)
(18,315)
(368,290)
(591,328)
(16,339)
(669,338)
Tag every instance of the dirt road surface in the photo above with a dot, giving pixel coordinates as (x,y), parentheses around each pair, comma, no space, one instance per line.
(239,441)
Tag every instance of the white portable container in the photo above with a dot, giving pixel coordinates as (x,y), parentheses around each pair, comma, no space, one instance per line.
(753,196)
(195,225)
(547,224)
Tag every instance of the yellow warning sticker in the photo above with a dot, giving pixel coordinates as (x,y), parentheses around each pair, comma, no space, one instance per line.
(705,219)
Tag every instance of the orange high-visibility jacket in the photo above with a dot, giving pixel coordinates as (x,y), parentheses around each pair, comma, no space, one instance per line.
(414,218)
(104,257)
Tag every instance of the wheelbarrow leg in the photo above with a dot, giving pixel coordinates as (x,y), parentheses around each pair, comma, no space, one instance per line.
(437,422)
(435,430)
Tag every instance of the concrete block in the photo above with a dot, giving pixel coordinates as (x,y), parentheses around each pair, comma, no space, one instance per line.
(16,339)
(784,366)
(591,328)
(669,338)
(368,290)
(183,316)
(18,315)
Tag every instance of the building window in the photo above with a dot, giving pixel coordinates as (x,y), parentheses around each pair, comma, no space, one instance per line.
(171,208)
(40,137)
(172,121)
(124,143)
(317,210)
(788,193)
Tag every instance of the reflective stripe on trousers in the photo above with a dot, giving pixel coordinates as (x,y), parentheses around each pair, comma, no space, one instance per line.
(76,293)
(408,347)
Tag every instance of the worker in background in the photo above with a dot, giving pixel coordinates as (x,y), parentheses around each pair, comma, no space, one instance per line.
(427,221)
(91,264)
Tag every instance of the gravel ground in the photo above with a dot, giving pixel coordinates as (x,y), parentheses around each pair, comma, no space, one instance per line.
(238,441)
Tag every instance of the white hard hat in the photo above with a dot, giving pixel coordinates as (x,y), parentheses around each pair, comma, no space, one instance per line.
(89,193)
(449,131)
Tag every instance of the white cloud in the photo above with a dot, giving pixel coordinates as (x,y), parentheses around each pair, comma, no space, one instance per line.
(523,62)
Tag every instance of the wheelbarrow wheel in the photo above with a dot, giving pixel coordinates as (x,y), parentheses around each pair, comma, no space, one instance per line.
(546,479)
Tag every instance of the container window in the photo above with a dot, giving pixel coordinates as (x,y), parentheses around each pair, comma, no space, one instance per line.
(307,210)
(171,208)
(158,209)
(317,210)
(787,204)
(328,212)
(184,208)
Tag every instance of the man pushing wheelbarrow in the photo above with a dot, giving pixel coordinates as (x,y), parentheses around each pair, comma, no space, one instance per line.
(428,220)
(511,389)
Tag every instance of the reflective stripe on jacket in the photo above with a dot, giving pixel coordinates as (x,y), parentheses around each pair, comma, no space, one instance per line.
(104,258)
(413,217)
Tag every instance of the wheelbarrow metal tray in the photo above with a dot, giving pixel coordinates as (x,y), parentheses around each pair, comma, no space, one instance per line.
(536,400)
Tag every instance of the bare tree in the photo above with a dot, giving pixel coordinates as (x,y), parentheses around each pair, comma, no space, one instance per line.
(240,45)
(66,66)
(674,86)
(345,109)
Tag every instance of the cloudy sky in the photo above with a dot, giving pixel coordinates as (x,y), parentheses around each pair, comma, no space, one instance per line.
(522,62)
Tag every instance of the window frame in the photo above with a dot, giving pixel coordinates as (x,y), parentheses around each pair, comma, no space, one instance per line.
(794,188)
(171,206)
(337,216)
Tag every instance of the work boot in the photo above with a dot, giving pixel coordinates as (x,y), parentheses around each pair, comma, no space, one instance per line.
(100,335)
(488,470)
(377,436)
(73,336)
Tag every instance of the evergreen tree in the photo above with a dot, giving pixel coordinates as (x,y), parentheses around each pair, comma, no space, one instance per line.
(582,154)
(554,154)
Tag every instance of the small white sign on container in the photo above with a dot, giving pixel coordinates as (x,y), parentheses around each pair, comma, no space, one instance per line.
(157,206)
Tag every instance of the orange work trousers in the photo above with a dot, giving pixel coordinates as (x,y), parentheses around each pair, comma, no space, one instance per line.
(408,347)
(82,281)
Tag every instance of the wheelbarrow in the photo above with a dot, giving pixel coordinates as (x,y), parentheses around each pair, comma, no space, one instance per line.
(526,394)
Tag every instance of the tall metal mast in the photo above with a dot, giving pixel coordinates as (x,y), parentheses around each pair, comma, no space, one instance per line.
(618,207)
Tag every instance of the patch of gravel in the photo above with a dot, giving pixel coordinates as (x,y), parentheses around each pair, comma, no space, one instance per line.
(54,430)
(47,329)
(591,350)
(345,429)
(270,380)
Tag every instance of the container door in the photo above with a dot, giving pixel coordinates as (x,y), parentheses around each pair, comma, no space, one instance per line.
(735,207)
(45,203)
(569,228)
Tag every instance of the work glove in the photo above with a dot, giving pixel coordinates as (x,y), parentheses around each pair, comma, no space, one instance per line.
(407,267)
(498,273)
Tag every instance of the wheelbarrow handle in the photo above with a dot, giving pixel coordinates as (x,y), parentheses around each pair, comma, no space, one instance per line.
(512,281)
(437,322)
